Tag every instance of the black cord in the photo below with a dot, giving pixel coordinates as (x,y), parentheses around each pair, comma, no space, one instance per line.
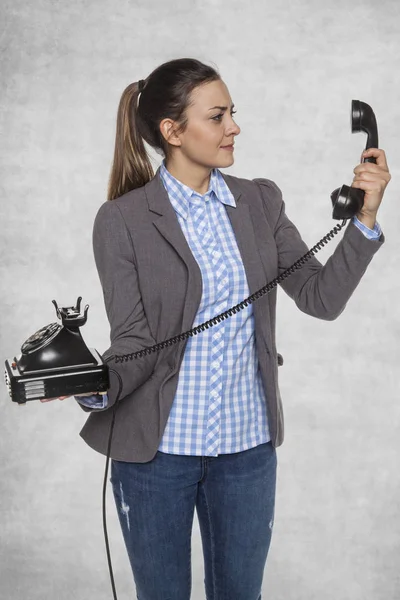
(105,484)
(264,290)
(177,338)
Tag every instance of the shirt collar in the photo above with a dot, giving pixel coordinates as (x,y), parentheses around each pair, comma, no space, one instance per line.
(181,195)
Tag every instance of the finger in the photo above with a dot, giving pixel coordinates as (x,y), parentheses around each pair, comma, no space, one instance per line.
(377,153)
(367,186)
(371,167)
(368,177)
(378,178)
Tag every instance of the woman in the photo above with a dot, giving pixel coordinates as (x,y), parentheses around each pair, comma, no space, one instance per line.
(198,422)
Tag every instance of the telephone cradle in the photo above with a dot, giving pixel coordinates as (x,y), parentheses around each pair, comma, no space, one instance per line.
(55,361)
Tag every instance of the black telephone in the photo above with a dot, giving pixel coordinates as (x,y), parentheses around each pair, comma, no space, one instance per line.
(55,360)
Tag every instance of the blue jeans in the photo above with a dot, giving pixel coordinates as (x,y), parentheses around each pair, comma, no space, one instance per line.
(234,495)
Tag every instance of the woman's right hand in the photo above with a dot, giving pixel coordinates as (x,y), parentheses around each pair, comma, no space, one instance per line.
(63,397)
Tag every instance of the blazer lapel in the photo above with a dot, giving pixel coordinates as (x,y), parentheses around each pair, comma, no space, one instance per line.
(166,221)
(242,225)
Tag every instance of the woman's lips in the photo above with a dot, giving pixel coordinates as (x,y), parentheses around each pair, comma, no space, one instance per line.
(227,147)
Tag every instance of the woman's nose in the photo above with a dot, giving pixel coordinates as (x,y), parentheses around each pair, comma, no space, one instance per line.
(234,129)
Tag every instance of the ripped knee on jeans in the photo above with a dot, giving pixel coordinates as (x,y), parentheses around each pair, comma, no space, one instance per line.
(124,507)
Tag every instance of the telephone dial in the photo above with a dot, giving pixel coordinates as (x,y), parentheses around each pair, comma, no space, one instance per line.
(55,360)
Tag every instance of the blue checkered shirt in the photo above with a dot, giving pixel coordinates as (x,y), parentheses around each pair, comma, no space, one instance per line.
(219,405)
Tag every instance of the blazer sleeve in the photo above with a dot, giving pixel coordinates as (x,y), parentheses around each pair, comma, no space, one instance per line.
(319,291)
(129,329)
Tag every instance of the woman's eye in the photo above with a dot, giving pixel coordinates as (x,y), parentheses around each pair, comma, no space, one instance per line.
(222,114)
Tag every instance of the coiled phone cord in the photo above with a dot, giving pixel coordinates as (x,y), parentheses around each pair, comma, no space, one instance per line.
(182,336)
(264,290)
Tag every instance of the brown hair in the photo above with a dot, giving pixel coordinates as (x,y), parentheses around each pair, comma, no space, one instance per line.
(166,94)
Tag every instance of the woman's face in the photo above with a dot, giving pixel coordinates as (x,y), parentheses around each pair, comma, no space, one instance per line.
(208,128)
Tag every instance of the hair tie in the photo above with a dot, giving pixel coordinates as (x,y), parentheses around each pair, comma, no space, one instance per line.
(141,85)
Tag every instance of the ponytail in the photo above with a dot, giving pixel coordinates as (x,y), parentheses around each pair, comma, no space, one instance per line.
(131,166)
(166,94)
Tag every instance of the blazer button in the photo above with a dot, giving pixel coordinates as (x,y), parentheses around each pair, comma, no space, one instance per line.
(280,360)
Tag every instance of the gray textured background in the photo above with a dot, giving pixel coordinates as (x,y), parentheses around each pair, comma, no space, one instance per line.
(292,70)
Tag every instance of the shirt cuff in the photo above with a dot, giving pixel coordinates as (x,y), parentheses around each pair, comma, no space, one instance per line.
(371,234)
(95,401)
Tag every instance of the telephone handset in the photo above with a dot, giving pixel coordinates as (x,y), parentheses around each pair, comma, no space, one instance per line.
(348,201)
(55,360)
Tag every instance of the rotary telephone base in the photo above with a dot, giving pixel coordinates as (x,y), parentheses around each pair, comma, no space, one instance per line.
(55,361)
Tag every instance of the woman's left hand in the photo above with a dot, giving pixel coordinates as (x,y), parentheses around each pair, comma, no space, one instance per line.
(373,179)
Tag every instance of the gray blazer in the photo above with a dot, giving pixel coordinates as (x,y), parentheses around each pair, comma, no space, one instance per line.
(152,288)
